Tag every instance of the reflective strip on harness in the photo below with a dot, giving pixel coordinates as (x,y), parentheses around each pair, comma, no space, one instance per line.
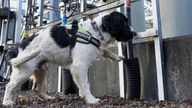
(84,36)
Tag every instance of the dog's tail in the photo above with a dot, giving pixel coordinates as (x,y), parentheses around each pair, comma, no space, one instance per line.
(20,60)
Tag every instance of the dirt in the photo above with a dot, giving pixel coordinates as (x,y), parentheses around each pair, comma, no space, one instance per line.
(28,99)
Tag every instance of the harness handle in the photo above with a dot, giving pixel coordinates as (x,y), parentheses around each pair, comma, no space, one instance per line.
(73,32)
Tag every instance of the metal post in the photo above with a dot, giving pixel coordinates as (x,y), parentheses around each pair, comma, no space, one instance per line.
(1,6)
(54,14)
(3,33)
(18,22)
(41,9)
(129,43)
(0,26)
(83,6)
(28,13)
(59,79)
(121,71)
(1,3)
(159,50)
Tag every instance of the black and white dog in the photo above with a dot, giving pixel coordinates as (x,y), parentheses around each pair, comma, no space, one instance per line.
(53,45)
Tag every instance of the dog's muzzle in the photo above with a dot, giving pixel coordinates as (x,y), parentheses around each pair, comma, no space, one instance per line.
(129,36)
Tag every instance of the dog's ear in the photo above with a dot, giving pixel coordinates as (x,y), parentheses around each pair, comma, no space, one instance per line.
(116,24)
(106,25)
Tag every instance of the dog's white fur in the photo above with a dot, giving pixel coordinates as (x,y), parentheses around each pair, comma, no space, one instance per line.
(43,46)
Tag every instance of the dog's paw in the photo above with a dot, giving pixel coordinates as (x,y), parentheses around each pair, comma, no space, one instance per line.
(47,97)
(44,97)
(50,98)
(122,58)
(81,94)
(8,103)
(119,58)
(93,101)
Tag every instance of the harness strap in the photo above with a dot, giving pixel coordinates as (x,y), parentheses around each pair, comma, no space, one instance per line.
(82,34)
(88,38)
(73,32)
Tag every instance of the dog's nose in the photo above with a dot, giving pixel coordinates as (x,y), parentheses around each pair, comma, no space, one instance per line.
(134,33)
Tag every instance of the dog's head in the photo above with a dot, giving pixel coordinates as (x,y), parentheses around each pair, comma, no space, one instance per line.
(116,24)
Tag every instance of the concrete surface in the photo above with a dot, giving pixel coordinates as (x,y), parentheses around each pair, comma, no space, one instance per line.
(178,67)
(104,77)
(146,55)
(51,79)
(178,58)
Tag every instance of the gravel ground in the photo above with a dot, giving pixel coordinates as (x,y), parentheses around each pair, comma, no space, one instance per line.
(27,99)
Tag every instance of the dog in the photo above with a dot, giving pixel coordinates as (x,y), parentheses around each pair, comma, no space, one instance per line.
(53,45)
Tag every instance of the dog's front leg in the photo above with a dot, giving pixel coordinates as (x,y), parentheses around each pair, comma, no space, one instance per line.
(80,76)
(112,56)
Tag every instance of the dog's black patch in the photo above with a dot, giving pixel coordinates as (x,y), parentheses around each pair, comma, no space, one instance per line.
(27,41)
(116,24)
(60,36)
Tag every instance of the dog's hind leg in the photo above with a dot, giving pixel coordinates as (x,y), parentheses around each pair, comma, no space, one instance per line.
(18,77)
(22,59)
(80,76)
(39,78)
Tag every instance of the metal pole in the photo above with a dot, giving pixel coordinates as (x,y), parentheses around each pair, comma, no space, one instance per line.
(121,71)
(1,3)
(83,6)
(129,43)
(54,15)
(41,9)
(0,27)
(59,79)
(159,50)
(28,13)
(18,22)
(3,33)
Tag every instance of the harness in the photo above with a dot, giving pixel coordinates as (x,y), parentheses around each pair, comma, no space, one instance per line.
(79,34)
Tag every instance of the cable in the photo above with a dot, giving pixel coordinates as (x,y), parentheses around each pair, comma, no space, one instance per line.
(76,5)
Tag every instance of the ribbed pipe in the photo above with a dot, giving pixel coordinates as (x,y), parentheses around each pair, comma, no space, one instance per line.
(132,78)
(68,85)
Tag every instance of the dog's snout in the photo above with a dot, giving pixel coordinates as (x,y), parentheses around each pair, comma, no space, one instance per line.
(134,33)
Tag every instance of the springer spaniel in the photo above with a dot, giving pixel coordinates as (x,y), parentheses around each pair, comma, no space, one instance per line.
(54,45)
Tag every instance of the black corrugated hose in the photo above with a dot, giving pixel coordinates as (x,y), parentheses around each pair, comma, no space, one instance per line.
(68,86)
